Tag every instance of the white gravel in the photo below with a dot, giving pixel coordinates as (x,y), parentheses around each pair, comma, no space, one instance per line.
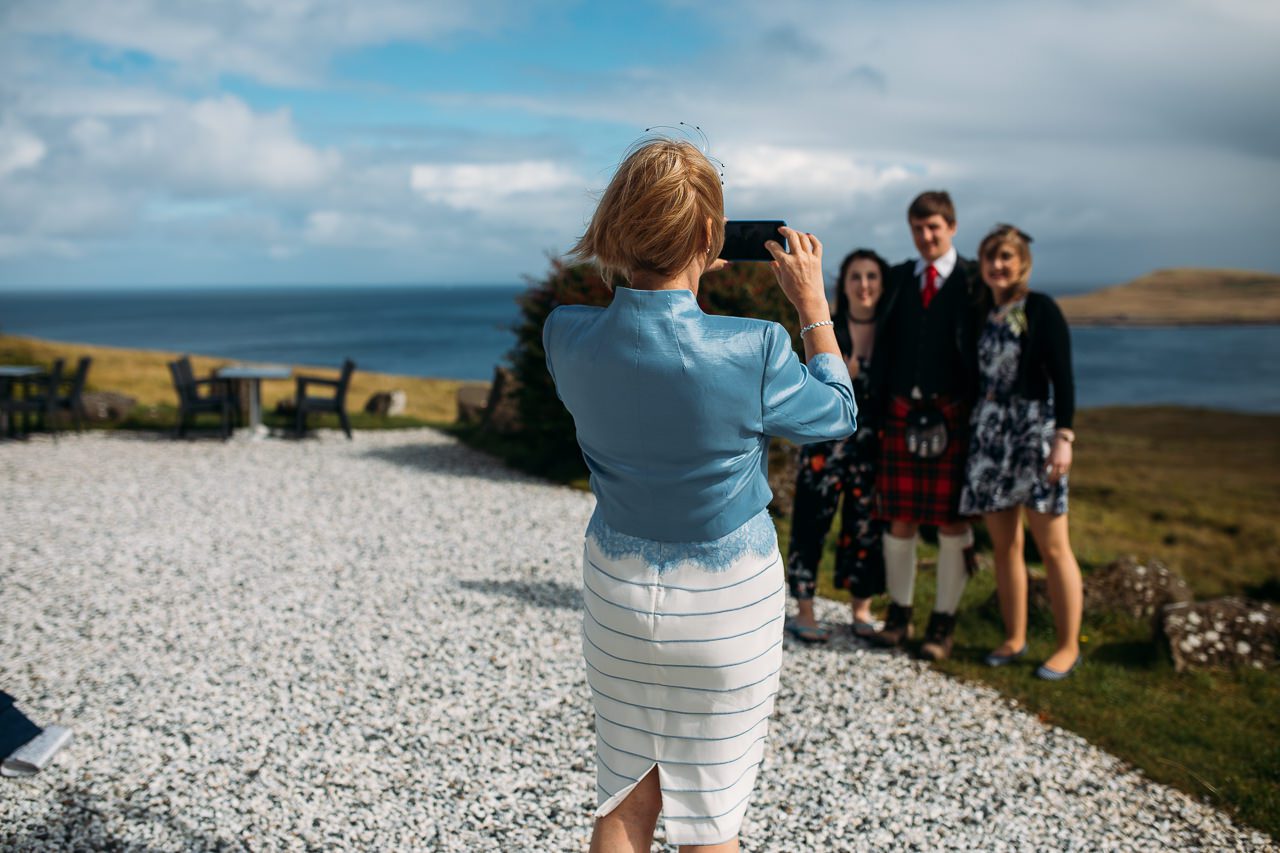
(373,645)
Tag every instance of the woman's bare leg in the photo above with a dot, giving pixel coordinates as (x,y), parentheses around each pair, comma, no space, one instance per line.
(804,613)
(860,609)
(1005,528)
(629,827)
(1066,590)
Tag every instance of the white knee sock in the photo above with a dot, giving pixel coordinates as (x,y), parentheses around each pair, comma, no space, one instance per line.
(900,568)
(952,575)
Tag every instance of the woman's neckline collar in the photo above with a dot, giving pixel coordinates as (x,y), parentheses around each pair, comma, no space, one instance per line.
(681,296)
(637,290)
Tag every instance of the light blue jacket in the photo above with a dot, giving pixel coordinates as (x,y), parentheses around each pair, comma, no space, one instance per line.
(674,407)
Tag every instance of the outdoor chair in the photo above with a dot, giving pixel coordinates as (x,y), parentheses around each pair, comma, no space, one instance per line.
(72,402)
(39,398)
(336,403)
(13,405)
(10,405)
(192,402)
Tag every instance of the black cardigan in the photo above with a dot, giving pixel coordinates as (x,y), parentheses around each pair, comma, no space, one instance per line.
(1046,358)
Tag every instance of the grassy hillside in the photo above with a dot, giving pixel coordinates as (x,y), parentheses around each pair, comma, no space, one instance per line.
(1178,297)
(144,375)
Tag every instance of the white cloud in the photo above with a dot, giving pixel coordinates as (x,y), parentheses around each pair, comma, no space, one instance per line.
(355,230)
(19,245)
(42,100)
(285,42)
(816,178)
(215,145)
(490,187)
(19,149)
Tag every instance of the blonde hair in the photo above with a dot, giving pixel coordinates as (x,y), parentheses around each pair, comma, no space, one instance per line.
(653,215)
(1009,235)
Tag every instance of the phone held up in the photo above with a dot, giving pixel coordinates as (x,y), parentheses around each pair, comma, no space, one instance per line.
(744,239)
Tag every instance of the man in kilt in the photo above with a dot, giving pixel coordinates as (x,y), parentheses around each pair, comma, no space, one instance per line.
(925,372)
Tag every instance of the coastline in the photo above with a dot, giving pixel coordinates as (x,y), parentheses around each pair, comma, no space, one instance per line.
(1181,297)
(1116,369)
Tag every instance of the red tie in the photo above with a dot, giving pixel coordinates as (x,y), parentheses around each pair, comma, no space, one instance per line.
(930,285)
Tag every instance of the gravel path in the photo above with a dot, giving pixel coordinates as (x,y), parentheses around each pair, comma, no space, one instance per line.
(373,645)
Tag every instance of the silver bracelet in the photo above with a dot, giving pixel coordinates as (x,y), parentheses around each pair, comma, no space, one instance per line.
(809,328)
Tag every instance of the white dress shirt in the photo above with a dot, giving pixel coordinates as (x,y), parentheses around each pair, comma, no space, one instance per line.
(944,265)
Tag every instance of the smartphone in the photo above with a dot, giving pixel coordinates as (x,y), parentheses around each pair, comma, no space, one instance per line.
(744,239)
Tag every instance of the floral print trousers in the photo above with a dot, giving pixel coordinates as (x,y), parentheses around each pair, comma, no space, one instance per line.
(828,470)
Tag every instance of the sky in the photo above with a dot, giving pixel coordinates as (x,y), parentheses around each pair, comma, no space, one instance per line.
(159,143)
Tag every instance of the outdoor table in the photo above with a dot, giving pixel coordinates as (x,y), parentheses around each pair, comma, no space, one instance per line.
(253,374)
(8,373)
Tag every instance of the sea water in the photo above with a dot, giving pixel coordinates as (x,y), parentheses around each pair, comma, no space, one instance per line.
(463,331)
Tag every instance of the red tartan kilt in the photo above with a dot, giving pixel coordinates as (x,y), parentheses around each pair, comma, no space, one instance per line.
(922,491)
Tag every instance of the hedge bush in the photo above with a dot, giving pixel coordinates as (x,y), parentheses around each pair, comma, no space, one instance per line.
(546,443)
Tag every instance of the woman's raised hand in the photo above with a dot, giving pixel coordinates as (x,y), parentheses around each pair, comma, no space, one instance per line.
(799,272)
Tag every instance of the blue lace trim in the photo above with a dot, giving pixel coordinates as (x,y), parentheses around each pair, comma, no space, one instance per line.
(757,536)
(828,369)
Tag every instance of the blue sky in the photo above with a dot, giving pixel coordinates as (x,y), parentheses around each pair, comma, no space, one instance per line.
(153,143)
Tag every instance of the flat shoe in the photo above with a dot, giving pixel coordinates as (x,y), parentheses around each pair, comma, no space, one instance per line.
(805,633)
(994,659)
(1043,672)
(864,630)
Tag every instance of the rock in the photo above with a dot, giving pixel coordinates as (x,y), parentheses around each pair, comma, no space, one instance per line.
(399,402)
(107,405)
(472,400)
(1134,587)
(386,404)
(502,413)
(1222,633)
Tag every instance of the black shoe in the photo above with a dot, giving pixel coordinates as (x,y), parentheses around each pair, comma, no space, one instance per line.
(938,636)
(897,627)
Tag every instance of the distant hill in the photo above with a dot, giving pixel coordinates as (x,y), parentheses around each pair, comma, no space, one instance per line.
(1181,297)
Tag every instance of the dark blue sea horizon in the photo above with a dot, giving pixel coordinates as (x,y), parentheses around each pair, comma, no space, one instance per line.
(463,331)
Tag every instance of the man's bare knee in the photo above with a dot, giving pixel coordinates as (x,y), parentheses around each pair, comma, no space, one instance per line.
(903,529)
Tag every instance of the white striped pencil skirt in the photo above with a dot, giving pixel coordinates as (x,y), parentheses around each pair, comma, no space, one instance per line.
(683,663)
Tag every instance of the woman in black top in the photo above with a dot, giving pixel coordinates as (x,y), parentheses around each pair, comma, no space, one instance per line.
(829,469)
(1020,447)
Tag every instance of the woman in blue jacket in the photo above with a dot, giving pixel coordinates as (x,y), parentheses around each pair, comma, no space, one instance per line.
(683,585)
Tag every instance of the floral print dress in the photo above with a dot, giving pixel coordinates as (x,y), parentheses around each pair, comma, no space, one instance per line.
(1010,436)
(828,470)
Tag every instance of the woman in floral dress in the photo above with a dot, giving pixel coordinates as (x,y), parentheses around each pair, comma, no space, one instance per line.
(1020,447)
(847,467)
